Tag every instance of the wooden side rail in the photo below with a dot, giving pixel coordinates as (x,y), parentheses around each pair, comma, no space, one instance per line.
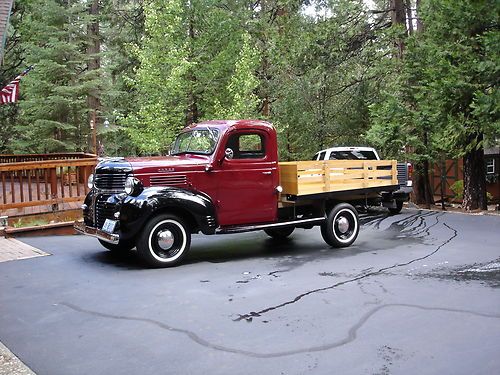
(311,177)
(45,182)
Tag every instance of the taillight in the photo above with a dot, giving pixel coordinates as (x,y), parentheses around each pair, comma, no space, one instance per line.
(410,170)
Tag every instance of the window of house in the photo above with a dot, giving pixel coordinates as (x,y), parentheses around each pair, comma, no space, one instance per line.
(490,166)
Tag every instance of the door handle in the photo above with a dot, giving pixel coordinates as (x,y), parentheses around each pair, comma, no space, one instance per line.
(267,172)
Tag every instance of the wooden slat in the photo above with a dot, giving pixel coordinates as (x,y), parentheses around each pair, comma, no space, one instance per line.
(12,189)
(46,178)
(46,164)
(77,171)
(37,179)
(40,203)
(61,180)
(70,184)
(4,190)
(394,167)
(30,194)
(21,191)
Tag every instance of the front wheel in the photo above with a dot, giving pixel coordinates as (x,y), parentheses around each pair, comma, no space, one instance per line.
(341,227)
(165,241)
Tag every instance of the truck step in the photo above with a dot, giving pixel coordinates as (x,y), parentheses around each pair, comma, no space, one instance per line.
(250,228)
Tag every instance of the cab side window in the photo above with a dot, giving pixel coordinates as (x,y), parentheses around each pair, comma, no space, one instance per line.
(247,146)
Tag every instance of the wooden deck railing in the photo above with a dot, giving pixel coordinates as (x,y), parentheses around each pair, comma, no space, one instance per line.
(18,158)
(37,180)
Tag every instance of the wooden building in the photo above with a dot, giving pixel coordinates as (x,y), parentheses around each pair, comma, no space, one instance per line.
(5,9)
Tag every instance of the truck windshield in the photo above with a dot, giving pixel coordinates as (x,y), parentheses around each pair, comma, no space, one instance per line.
(197,141)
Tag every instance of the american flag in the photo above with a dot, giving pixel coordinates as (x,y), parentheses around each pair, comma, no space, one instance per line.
(10,93)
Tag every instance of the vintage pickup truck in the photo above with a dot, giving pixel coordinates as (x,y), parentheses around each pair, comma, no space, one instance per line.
(224,177)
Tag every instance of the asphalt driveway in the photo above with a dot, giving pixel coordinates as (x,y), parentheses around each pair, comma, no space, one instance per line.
(418,293)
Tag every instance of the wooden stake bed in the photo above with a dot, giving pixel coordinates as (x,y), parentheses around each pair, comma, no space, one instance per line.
(312,177)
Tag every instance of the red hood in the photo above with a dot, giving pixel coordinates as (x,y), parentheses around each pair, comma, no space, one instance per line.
(162,164)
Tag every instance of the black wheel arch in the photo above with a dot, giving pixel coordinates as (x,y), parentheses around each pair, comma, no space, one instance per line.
(197,209)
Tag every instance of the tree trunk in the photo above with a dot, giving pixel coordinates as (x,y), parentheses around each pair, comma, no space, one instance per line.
(420,26)
(475,177)
(409,16)
(398,18)
(192,110)
(421,184)
(429,198)
(93,57)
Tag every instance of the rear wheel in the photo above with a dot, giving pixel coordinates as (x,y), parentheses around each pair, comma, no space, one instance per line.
(165,241)
(341,227)
(396,210)
(120,247)
(279,233)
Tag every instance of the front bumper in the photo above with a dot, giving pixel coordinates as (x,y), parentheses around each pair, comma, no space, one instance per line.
(80,227)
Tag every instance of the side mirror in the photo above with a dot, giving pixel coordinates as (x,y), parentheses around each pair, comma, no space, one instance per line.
(229,153)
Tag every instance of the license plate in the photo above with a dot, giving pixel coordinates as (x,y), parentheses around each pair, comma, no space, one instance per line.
(109,226)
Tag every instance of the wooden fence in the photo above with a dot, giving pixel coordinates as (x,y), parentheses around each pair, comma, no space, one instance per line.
(44,179)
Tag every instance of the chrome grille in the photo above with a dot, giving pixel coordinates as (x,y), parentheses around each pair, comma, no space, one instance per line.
(169,180)
(103,210)
(402,174)
(210,221)
(110,181)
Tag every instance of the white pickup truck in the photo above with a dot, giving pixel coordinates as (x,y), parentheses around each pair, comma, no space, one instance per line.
(394,202)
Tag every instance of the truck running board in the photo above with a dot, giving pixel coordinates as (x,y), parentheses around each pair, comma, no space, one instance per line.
(250,228)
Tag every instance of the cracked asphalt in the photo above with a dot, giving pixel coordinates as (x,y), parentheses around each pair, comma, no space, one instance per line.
(418,293)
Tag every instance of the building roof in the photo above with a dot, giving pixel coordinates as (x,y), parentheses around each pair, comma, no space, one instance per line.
(492,151)
(5,9)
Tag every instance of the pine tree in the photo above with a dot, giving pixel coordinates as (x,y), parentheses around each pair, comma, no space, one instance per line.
(53,114)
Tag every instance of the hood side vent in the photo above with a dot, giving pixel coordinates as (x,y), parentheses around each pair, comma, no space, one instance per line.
(169,180)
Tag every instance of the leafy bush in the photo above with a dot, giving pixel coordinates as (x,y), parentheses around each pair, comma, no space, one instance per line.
(458,189)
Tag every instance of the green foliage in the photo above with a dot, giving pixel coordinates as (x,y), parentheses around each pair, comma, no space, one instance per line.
(11,66)
(443,99)
(322,85)
(241,99)
(53,109)
(458,189)
(161,78)
(324,80)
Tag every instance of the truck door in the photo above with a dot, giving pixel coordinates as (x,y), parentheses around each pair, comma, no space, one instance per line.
(247,180)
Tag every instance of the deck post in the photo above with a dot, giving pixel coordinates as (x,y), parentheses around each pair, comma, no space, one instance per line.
(53,187)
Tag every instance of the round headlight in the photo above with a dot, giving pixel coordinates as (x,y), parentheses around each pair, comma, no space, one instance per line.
(129,185)
(90,181)
(133,186)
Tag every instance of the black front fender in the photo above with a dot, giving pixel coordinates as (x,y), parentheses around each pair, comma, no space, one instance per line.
(197,208)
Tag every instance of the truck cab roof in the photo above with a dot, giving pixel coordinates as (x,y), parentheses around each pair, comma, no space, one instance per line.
(225,125)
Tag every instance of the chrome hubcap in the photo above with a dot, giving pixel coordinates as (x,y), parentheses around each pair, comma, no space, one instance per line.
(165,239)
(342,224)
